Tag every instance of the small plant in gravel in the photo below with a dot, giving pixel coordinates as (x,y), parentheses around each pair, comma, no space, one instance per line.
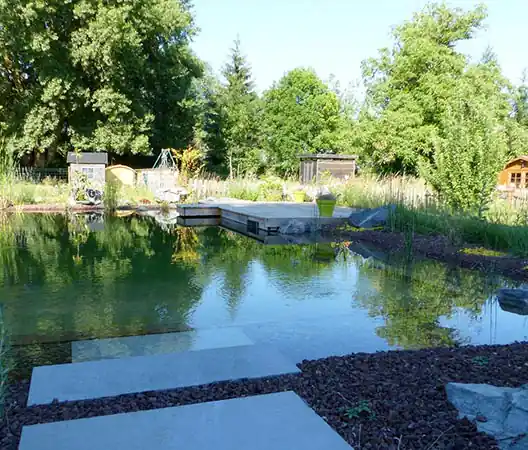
(361,410)
(480,361)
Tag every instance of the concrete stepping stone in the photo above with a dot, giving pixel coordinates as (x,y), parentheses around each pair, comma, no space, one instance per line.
(111,377)
(279,421)
(155,344)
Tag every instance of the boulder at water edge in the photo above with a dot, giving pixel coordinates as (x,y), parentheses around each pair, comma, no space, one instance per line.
(499,411)
(514,300)
(173,195)
(371,218)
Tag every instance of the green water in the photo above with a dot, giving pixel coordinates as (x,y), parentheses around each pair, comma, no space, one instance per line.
(64,279)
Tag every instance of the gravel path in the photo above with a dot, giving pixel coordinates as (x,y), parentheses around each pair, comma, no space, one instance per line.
(395,400)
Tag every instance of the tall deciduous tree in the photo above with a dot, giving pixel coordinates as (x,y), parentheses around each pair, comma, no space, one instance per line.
(409,86)
(240,109)
(301,115)
(470,150)
(93,75)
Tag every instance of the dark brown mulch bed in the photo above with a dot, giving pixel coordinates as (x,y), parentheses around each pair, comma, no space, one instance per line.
(440,248)
(405,405)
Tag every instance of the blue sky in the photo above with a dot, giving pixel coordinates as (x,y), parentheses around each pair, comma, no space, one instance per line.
(334,36)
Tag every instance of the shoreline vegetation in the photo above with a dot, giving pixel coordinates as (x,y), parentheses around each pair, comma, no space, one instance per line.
(497,241)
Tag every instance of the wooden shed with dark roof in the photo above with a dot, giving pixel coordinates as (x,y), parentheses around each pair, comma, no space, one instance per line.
(337,166)
(91,164)
(515,173)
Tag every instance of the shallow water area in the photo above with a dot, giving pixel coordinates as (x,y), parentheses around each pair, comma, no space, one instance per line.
(81,287)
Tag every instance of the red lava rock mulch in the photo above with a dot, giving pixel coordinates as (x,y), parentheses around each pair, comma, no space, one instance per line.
(396,399)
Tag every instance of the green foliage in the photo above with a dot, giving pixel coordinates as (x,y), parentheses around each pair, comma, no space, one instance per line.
(362,409)
(469,152)
(480,361)
(414,96)
(239,109)
(483,252)
(190,161)
(114,76)
(112,195)
(301,115)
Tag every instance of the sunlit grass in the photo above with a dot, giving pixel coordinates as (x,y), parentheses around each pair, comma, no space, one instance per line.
(21,192)
(481,251)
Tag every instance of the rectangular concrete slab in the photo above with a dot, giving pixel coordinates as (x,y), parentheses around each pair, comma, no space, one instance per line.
(155,344)
(279,421)
(111,377)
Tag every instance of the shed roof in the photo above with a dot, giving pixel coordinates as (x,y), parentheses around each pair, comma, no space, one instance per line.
(329,156)
(518,158)
(87,158)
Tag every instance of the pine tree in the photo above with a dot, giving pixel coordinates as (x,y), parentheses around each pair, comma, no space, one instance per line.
(240,106)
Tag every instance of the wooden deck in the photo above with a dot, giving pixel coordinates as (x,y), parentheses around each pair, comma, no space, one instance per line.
(263,216)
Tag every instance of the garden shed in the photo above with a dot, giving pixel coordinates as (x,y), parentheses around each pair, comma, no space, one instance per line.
(515,173)
(92,165)
(338,166)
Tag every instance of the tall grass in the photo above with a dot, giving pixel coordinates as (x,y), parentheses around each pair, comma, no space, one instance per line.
(462,228)
(19,188)
(503,226)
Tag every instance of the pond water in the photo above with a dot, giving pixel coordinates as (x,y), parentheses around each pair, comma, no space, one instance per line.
(69,279)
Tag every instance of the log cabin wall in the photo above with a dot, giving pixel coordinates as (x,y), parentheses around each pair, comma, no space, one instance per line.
(515,174)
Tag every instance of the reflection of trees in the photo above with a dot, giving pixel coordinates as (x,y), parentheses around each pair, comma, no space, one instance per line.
(60,281)
(231,256)
(186,247)
(412,298)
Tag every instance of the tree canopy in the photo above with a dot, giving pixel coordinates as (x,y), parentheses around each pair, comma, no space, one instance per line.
(240,109)
(121,77)
(93,75)
(301,115)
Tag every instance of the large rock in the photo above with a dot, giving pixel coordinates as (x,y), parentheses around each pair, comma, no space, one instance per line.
(294,226)
(505,411)
(173,195)
(371,218)
(514,300)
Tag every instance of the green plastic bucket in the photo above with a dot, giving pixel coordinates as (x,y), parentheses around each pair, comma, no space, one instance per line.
(326,207)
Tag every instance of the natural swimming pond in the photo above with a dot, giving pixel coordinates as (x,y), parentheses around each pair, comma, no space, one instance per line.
(70,279)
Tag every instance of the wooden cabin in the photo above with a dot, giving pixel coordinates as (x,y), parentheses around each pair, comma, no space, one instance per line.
(338,166)
(515,173)
(90,164)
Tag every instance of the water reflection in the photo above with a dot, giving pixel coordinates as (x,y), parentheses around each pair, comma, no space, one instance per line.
(68,278)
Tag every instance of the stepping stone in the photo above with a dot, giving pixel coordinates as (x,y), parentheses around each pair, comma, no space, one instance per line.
(155,344)
(279,421)
(111,377)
